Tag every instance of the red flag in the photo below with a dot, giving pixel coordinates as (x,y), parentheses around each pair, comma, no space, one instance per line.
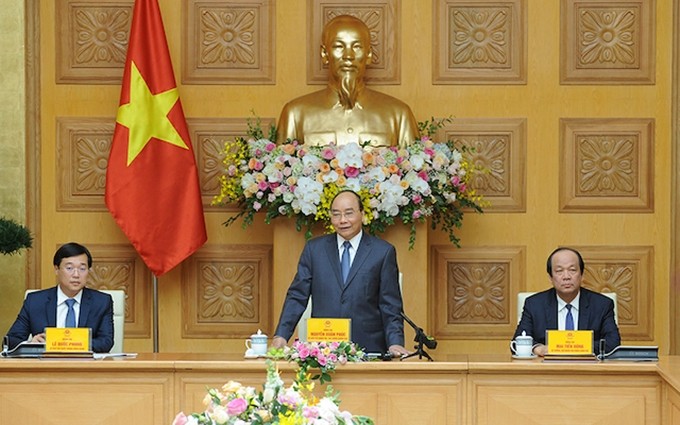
(152,185)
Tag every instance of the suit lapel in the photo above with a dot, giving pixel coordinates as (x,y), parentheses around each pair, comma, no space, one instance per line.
(584,310)
(51,308)
(334,258)
(359,258)
(85,304)
(551,310)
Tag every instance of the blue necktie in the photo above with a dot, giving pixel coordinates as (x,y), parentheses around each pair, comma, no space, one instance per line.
(344,264)
(70,314)
(569,324)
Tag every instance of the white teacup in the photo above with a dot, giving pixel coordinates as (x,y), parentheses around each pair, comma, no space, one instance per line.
(522,346)
(256,345)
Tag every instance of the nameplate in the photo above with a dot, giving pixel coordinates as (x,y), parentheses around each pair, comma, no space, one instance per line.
(569,342)
(326,329)
(67,340)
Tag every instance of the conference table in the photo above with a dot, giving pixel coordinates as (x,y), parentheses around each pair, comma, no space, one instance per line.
(455,389)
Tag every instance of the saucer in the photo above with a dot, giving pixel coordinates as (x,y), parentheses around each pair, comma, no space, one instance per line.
(533,356)
(248,355)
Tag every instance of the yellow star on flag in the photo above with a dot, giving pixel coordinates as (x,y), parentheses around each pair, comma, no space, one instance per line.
(146,116)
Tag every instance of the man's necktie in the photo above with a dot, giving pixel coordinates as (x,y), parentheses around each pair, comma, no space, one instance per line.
(344,264)
(569,323)
(70,314)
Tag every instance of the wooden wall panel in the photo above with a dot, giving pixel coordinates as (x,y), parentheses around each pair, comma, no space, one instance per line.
(474,291)
(227,292)
(608,42)
(480,42)
(607,165)
(91,40)
(229,42)
(497,147)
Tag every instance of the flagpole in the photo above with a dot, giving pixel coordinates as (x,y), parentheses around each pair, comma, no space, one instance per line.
(155,313)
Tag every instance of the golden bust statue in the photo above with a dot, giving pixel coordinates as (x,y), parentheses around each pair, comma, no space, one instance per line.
(346,110)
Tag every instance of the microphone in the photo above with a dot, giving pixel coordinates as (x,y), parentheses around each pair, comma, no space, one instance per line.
(421,337)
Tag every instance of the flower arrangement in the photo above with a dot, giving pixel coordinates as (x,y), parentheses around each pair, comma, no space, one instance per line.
(235,404)
(324,356)
(425,179)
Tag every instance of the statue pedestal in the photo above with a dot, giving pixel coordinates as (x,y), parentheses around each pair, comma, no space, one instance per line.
(413,264)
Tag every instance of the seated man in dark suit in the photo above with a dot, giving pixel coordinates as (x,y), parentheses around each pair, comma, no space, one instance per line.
(369,294)
(50,307)
(568,304)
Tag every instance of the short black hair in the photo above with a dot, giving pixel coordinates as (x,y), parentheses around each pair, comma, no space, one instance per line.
(71,249)
(581,264)
(348,191)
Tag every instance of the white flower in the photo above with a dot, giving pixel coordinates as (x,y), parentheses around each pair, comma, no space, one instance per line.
(220,415)
(350,155)
(416,183)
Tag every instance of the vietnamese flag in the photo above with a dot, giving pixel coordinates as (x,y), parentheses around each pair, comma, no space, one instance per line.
(152,185)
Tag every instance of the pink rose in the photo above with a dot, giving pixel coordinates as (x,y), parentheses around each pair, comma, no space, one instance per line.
(236,407)
(351,172)
(270,147)
(328,153)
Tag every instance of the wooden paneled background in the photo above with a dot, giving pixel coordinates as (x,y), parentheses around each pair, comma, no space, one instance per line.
(568,105)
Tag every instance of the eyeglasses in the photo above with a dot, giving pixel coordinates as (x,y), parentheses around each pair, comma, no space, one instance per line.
(72,269)
(337,215)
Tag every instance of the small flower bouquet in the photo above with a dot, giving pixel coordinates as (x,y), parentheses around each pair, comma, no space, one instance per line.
(296,404)
(324,356)
(426,179)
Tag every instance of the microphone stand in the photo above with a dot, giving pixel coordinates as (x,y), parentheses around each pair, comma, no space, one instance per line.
(421,339)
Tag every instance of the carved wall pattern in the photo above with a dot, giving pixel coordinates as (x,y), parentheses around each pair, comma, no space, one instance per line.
(608,42)
(226,291)
(628,271)
(607,165)
(474,290)
(383,20)
(229,42)
(481,42)
(83,146)
(498,147)
(91,40)
(209,136)
(119,267)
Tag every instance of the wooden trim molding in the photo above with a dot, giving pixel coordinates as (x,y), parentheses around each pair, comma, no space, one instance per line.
(674,278)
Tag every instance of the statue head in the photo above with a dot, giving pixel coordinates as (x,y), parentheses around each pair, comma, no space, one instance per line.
(346,49)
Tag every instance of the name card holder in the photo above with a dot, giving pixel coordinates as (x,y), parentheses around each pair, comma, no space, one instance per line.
(329,329)
(68,342)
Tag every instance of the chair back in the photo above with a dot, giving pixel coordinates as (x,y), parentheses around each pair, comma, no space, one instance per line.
(522,296)
(118,316)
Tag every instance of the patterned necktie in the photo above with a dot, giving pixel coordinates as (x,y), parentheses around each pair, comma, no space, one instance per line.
(344,264)
(569,324)
(70,314)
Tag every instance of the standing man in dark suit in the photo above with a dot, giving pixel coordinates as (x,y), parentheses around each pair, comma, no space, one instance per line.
(549,309)
(49,307)
(370,294)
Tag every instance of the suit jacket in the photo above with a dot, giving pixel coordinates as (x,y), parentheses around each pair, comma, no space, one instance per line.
(596,312)
(371,296)
(40,311)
